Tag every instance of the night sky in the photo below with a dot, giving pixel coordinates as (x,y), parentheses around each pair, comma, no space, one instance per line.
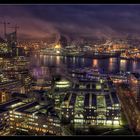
(43,21)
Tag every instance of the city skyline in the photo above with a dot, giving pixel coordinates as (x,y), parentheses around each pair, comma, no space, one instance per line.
(87,21)
(69,70)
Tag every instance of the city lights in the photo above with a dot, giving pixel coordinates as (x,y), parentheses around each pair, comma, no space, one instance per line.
(62,75)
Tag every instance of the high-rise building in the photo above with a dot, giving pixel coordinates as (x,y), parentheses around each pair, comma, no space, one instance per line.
(63,41)
(4,48)
(12,42)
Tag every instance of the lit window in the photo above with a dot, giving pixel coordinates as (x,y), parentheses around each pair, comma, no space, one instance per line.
(45,126)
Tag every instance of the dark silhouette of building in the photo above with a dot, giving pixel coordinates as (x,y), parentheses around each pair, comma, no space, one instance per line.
(12,42)
(2,40)
(63,41)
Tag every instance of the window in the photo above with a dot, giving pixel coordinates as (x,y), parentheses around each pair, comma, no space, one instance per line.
(45,126)
(57,124)
(11,119)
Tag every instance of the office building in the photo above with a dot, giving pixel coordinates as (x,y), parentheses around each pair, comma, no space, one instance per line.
(28,117)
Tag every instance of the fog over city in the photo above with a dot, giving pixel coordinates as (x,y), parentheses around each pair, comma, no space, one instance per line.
(86,21)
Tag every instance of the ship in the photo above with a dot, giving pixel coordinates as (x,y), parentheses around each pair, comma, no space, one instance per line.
(101,55)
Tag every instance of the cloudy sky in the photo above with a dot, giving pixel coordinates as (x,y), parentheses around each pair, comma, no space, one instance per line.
(43,21)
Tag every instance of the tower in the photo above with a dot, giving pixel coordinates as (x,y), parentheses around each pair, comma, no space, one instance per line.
(11,39)
(63,41)
(16,50)
(5,27)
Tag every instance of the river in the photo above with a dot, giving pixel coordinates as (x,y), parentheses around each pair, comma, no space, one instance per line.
(39,64)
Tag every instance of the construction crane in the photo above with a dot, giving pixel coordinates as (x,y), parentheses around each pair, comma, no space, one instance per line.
(5,25)
(15,27)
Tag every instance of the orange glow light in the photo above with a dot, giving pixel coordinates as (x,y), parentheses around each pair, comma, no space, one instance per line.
(58,46)
(95,62)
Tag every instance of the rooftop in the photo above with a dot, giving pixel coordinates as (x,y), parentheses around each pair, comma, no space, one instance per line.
(11,104)
(29,108)
(37,109)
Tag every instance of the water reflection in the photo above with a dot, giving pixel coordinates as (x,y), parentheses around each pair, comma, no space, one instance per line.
(83,60)
(123,65)
(95,63)
(112,65)
(65,59)
(134,65)
(74,60)
(41,72)
(58,60)
(44,59)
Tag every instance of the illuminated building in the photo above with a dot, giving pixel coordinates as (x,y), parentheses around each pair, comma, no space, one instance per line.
(42,84)
(60,88)
(22,75)
(91,101)
(54,50)
(20,62)
(85,73)
(62,84)
(31,118)
(35,119)
(5,50)
(5,115)
(4,96)
(86,48)
(57,46)
(7,86)
(20,51)
(4,123)
(72,50)
(85,108)
(12,43)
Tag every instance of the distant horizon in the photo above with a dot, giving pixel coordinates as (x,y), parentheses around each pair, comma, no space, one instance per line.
(76,21)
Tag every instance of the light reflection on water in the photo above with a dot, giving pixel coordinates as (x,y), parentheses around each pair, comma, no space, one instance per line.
(95,62)
(58,60)
(134,65)
(112,62)
(109,65)
(123,64)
